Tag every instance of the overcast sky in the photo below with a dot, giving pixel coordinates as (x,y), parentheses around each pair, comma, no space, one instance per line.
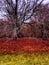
(2,12)
(46,1)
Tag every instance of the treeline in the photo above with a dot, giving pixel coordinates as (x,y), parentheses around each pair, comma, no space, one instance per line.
(38,30)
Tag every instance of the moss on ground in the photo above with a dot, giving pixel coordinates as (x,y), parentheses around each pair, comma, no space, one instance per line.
(25,59)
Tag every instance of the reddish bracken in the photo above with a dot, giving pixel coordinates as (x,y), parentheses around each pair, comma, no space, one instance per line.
(30,45)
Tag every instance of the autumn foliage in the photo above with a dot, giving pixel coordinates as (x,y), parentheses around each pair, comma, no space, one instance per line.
(29,45)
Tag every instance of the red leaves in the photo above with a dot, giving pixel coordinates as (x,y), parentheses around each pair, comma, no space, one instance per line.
(23,45)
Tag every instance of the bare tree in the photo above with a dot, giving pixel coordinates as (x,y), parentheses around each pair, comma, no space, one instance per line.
(27,10)
(12,15)
(19,15)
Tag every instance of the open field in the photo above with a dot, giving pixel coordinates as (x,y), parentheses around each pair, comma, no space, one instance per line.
(25,59)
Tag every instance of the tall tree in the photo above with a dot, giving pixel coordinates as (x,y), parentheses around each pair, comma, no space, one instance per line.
(25,12)
(12,13)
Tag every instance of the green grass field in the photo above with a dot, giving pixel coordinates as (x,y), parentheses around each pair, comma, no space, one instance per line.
(25,59)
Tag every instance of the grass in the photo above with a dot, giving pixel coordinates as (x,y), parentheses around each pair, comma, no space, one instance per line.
(25,59)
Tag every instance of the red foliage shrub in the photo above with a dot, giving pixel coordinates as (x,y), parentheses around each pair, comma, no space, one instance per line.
(29,45)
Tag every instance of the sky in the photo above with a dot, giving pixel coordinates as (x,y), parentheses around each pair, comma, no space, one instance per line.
(3,12)
(46,1)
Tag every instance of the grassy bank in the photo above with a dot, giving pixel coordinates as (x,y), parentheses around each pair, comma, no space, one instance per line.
(25,59)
